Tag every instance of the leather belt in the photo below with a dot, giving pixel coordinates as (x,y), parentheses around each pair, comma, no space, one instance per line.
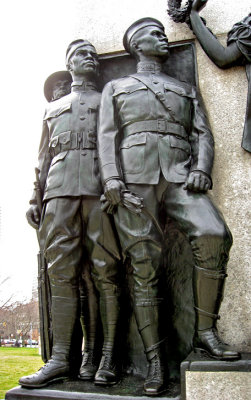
(156,125)
(72,141)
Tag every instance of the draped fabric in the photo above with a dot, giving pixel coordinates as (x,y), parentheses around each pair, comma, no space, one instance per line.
(241,35)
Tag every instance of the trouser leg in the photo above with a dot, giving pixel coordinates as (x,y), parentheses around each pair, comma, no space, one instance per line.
(141,241)
(61,230)
(210,241)
(105,274)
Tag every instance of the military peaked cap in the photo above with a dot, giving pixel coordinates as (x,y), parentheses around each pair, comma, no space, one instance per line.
(52,80)
(136,26)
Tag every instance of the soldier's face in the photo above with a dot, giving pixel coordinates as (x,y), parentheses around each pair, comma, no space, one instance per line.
(152,41)
(60,89)
(84,61)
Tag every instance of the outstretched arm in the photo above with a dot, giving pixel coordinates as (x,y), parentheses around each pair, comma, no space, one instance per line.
(222,56)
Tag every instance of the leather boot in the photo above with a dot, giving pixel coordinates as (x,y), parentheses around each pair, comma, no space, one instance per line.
(147,317)
(64,312)
(106,374)
(155,381)
(89,320)
(88,367)
(208,288)
(109,308)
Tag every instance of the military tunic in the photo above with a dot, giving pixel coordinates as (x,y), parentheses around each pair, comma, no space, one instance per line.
(71,223)
(153,131)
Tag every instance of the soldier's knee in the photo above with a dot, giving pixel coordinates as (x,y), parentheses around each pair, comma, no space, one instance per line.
(216,232)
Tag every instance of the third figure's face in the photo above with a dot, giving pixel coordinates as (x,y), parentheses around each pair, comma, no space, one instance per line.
(84,61)
(152,41)
(60,89)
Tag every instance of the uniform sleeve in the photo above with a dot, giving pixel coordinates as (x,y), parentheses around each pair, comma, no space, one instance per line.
(108,137)
(201,138)
(241,35)
(44,160)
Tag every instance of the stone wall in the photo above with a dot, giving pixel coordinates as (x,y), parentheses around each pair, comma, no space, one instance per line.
(225,93)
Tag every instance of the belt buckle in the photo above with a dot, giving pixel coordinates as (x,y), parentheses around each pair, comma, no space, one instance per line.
(161,125)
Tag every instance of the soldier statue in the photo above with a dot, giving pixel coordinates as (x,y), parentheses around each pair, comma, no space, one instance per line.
(70,223)
(154,140)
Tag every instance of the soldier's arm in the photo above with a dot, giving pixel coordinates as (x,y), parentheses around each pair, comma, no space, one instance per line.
(222,56)
(108,147)
(44,160)
(202,146)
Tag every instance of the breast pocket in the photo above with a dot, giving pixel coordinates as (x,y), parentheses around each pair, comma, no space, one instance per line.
(58,118)
(132,102)
(132,153)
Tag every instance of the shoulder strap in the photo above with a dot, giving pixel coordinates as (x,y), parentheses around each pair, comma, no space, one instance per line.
(160,96)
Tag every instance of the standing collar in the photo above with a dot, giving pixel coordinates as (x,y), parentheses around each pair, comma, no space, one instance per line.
(149,66)
(82,86)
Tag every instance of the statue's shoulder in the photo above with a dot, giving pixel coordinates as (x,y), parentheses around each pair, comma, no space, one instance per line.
(123,83)
(58,106)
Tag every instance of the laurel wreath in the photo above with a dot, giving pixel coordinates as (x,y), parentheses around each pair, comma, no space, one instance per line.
(178,13)
(182,14)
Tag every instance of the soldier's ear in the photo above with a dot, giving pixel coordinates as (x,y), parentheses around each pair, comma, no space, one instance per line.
(69,66)
(134,47)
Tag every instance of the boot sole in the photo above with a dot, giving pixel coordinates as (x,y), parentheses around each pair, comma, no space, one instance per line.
(223,358)
(86,378)
(105,383)
(32,386)
(154,394)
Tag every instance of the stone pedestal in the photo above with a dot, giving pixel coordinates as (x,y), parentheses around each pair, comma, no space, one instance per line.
(206,378)
(130,388)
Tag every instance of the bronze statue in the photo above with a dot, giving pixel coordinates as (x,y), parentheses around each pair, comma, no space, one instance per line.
(237,52)
(155,141)
(70,223)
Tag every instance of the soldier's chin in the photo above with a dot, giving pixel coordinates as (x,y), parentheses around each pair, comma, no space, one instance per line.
(164,54)
(90,70)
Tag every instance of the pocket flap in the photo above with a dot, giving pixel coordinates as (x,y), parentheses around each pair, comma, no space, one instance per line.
(134,140)
(64,137)
(59,157)
(55,112)
(179,144)
(182,91)
(130,89)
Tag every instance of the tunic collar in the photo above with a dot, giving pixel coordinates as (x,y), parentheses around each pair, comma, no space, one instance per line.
(149,66)
(82,86)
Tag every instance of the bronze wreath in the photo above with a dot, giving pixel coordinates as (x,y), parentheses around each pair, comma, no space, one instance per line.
(177,13)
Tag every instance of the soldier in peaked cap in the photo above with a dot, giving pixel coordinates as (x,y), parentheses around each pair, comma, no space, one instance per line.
(155,140)
(70,223)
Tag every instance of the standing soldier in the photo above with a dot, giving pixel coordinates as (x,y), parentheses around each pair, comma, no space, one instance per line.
(154,137)
(69,226)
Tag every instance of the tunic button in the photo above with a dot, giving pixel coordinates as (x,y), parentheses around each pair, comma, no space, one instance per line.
(82,118)
(82,103)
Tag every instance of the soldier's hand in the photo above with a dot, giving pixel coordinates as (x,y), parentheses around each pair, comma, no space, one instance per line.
(197,182)
(113,190)
(33,216)
(198,5)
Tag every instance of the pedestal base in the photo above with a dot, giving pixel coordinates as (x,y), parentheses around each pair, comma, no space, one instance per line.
(130,388)
(205,378)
